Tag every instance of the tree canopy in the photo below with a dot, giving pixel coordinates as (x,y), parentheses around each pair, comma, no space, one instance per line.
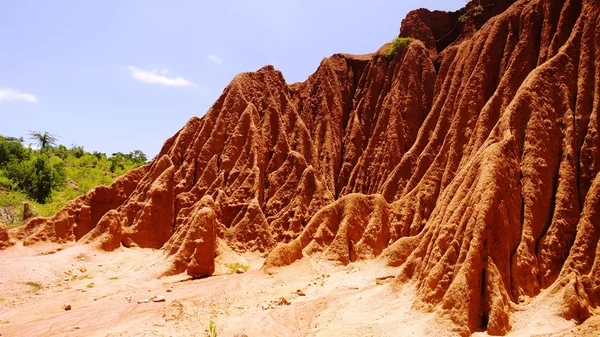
(43,139)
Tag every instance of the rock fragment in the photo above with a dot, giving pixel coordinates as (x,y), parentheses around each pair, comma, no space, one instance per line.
(158,298)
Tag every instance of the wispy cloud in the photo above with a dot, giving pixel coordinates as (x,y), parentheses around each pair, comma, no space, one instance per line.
(158,76)
(215,58)
(11,95)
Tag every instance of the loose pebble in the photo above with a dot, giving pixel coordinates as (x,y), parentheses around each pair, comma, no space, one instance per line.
(158,299)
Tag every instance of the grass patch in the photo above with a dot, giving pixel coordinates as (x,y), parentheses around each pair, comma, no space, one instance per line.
(234,266)
(5,322)
(82,277)
(35,285)
(90,285)
(397,44)
(112,278)
(212,329)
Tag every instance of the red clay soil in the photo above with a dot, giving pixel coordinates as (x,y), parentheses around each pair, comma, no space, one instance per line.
(469,160)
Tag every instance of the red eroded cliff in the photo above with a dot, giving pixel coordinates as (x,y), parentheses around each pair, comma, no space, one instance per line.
(469,160)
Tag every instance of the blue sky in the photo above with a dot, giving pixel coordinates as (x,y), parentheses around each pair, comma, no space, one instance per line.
(120,75)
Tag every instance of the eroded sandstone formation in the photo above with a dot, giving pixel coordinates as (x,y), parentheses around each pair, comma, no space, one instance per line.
(5,240)
(469,160)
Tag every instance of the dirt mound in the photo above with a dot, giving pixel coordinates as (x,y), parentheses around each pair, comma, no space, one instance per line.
(5,240)
(193,245)
(469,160)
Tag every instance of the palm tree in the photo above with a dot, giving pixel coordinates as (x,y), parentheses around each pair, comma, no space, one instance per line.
(44,139)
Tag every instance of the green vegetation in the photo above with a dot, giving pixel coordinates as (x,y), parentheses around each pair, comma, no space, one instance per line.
(48,177)
(35,285)
(43,139)
(474,11)
(90,285)
(112,278)
(234,266)
(397,44)
(212,329)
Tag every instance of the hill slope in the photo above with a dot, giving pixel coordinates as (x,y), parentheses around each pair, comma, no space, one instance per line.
(469,159)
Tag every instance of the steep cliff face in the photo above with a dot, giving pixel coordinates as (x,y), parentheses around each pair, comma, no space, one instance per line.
(469,160)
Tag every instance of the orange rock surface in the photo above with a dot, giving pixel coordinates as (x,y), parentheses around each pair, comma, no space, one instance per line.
(469,160)
(5,240)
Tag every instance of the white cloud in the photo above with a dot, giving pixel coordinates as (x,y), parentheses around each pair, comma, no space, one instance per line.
(11,95)
(155,76)
(215,58)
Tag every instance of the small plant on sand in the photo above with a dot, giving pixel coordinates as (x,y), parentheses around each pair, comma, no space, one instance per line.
(212,329)
(5,322)
(35,285)
(112,278)
(90,285)
(397,44)
(233,267)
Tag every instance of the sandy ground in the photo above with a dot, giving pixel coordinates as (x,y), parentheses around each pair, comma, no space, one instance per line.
(35,283)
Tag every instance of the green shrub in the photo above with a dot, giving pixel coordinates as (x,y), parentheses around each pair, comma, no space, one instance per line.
(35,285)
(397,44)
(99,155)
(38,176)
(234,266)
(12,149)
(61,152)
(77,151)
(5,183)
